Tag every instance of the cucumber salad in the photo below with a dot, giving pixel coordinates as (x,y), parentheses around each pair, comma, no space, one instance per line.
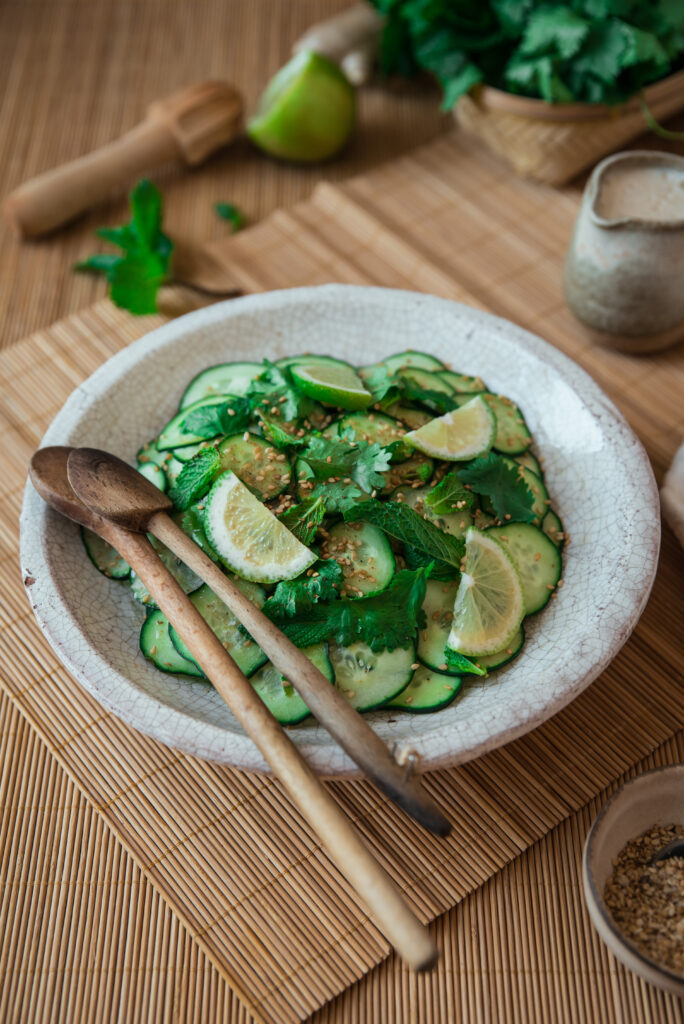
(390,519)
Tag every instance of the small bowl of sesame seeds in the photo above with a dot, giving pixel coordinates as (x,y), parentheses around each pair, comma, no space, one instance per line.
(636,902)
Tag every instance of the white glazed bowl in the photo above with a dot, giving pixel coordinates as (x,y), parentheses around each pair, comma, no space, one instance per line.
(598,474)
(655,798)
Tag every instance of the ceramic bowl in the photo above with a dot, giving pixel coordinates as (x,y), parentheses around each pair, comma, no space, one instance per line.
(598,474)
(655,798)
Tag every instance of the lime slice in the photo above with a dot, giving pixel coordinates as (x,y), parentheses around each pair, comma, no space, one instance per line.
(307,111)
(489,604)
(332,384)
(248,537)
(465,433)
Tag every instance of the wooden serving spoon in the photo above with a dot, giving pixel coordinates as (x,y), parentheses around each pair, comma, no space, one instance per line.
(383,899)
(113,489)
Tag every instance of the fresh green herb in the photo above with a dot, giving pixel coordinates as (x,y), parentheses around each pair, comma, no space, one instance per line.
(400,521)
(135,277)
(297,597)
(593,51)
(459,663)
(342,456)
(195,478)
(274,433)
(417,559)
(304,519)
(436,401)
(449,496)
(338,497)
(385,621)
(274,389)
(501,481)
(382,386)
(230,212)
(229,417)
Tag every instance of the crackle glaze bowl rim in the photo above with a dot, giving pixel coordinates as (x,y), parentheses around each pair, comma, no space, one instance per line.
(616,566)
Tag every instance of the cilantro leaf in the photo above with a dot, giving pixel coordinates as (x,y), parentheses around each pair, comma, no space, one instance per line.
(230,212)
(229,417)
(195,478)
(382,386)
(554,30)
(385,621)
(403,523)
(449,496)
(360,462)
(338,497)
(499,478)
(273,389)
(459,663)
(297,597)
(304,519)
(279,437)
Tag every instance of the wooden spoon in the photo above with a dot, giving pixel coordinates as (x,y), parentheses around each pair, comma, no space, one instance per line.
(382,898)
(113,489)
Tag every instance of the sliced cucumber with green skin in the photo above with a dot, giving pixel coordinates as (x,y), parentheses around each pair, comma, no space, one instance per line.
(155,643)
(427,691)
(484,520)
(261,467)
(190,522)
(462,399)
(246,654)
(416,360)
(304,479)
(189,451)
(173,435)
(455,523)
(461,382)
(553,528)
(365,555)
(492,661)
(172,469)
(370,680)
(439,608)
(413,418)
(427,380)
(278,694)
(104,557)
(155,474)
(416,470)
(150,453)
(529,461)
(512,435)
(185,577)
(536,558)
(377,428)
(223,379)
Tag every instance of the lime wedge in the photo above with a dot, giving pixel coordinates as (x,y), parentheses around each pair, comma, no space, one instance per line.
(489,604)
(307,111)
(332,384)
(248,537)
(465,433)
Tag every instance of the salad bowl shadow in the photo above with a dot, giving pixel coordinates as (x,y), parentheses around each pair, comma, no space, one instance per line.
(598,475)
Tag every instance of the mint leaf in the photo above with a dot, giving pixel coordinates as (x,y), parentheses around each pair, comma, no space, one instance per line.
(304,519)
(195,478)
(279,437)
(385,621)
(449,496)
(297,597)
(230,212)
(459,663)
(229,417)
(417,559)
(499,478)
(403,523)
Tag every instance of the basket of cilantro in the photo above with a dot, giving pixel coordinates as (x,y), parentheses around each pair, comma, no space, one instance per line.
(549,87)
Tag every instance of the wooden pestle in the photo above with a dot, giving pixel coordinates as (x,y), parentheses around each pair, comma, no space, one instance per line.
(188,126)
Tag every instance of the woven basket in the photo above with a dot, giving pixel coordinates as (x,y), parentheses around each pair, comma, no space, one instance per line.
(554,142)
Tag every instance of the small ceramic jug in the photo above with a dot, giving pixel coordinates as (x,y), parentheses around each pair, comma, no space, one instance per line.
(624,271)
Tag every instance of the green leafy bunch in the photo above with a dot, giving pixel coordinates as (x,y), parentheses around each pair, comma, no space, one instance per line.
(591,51)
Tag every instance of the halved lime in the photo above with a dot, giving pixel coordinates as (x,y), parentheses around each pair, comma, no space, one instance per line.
(332,384)
(464,433)
(307,111)
(489,604)
(248,537)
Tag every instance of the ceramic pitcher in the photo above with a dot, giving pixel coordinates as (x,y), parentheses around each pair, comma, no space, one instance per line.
(624,276)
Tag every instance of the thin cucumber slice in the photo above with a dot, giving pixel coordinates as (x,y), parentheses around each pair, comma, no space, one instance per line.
(155,474)
(278,694)
(191,523)
(512,435)
(455,523)
(416,360)
(365,555)
(530,461)
(462,398)
(369,680)
(553,528)
(492,661)
(150,453)
(104,557)
(438,607)
(461,382)
(304,479)
(312,360)
(189,451)
(376,428)
(537,559)
(413,418)
(427,380)
(260,466)
(224,379)
(427,691)
(173,435)
(155,643)
(172,469)
(246,654)
(483,520)
(415,471)
(184,576)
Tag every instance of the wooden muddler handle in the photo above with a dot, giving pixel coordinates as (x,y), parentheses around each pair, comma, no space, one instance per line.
(384,901)
(187,126)
(346,725)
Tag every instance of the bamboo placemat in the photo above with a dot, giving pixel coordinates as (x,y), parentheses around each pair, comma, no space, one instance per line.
(520,792)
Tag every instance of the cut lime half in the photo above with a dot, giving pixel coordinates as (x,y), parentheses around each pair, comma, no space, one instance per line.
(489,603)
(248,537)
(332,384)
(464,433)
(307,111)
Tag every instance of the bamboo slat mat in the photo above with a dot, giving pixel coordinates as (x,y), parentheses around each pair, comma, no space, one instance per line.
(520,792)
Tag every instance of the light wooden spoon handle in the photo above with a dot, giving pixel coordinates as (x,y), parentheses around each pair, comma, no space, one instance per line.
(346,725)
(387,906)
